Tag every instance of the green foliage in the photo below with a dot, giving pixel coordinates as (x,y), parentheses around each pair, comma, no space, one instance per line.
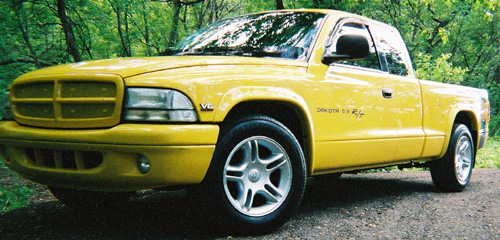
(439,69)
(13,196)
(489,156)
(450,41)
(353,6)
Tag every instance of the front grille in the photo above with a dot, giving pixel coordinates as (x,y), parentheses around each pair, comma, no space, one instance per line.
(64,159)
(68,102)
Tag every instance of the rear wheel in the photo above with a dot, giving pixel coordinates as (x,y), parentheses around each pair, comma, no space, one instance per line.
(452,173)
(257,176)
(87,200)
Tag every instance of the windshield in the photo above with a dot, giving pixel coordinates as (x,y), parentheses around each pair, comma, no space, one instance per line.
(278,34)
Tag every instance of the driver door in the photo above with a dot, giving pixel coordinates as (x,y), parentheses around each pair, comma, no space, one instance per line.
(355,122)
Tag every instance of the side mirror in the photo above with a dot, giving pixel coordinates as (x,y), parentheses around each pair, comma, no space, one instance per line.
(349,47)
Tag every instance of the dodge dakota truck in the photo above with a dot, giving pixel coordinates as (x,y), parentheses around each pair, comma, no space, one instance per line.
(242,112)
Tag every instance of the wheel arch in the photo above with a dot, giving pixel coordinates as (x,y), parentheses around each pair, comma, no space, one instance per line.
(469,119)
(293,116)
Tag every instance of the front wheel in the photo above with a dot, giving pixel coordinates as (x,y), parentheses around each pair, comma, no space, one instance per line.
(452,173)
(257,176)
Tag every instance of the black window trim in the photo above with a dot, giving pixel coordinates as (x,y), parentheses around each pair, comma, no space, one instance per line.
(354,20)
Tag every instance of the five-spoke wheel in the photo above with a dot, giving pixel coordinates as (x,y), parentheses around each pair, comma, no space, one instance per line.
(463,159)
(452,172)
(257,176)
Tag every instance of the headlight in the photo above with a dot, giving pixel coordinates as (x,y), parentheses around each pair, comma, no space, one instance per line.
(159,105)
(5,111)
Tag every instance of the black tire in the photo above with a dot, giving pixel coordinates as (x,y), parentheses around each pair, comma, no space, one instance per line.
(89,200)
(257,177)
(452,173)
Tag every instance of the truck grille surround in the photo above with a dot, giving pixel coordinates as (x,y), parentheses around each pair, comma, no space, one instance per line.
(68,101)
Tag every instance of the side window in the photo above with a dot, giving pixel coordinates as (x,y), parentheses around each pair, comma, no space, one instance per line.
(391,51)
(358,29)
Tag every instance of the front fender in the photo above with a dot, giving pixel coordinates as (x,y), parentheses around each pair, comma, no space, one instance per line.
(239,95)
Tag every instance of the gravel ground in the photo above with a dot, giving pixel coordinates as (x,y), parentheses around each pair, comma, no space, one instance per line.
(396,205)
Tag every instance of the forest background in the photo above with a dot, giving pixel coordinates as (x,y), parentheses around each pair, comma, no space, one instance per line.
(453,41)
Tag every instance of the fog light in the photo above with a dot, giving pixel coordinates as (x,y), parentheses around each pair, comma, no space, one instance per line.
(143,164)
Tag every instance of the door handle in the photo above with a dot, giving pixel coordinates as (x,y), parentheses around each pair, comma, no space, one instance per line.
(387,93)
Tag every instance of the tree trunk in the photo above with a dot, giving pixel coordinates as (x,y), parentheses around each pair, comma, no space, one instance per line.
(175,24)
(213,8)
(28,44)
(123,38)
(279,5)
(146,31)
(68,31)
(127,32)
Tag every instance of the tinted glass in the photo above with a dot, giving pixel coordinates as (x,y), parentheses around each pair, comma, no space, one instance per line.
(284,35)
(356,29)
(391,50)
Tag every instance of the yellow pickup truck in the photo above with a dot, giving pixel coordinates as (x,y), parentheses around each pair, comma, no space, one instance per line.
(243,111)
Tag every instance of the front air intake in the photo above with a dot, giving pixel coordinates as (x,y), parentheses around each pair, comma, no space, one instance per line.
(64,159)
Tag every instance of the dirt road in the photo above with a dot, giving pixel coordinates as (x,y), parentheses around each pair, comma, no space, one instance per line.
(400,205)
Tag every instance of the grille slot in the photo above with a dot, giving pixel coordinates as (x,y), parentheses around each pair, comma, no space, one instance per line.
(76,102)
(35,90)
(64,159)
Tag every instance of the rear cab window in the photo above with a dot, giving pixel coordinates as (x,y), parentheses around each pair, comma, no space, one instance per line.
(391,51)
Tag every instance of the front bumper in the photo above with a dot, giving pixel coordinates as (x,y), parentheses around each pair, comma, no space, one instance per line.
(106,159)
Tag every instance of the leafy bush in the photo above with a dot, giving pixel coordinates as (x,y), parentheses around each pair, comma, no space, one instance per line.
(13,196)
(489,156)
(439,69)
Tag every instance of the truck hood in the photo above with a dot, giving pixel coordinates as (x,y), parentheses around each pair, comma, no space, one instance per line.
(127,67)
